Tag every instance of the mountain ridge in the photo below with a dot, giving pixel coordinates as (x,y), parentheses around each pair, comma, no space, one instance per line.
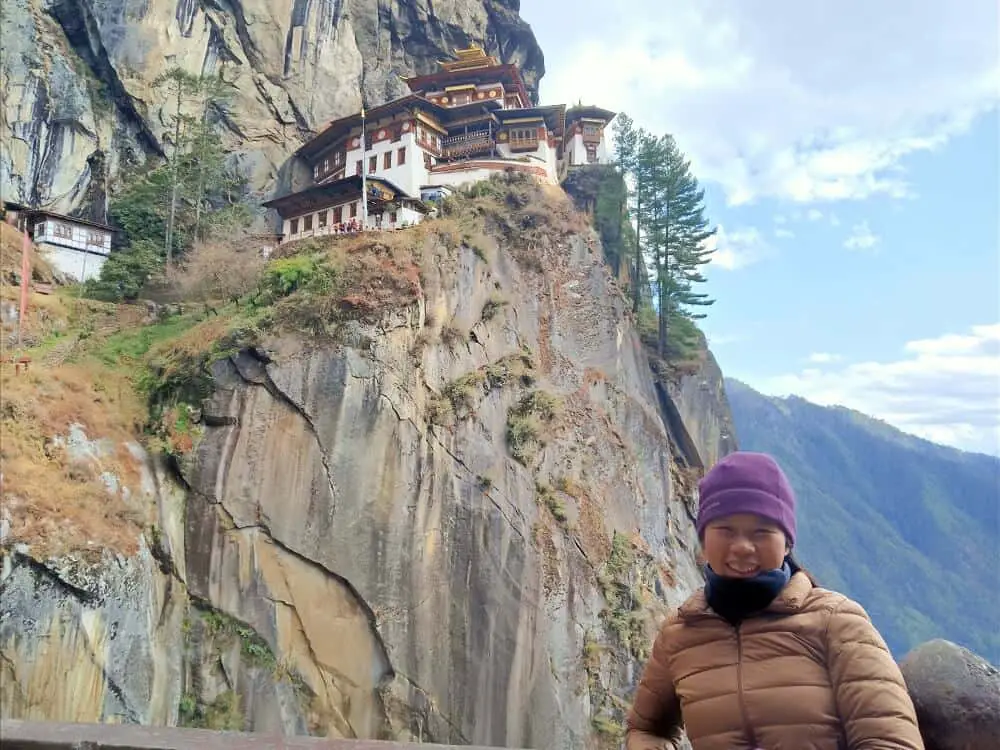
(914,518)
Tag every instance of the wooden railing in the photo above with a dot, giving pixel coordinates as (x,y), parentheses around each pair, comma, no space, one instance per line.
(32,735)
(467,144)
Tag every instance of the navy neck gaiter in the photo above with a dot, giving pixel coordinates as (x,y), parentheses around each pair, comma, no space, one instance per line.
(735,599)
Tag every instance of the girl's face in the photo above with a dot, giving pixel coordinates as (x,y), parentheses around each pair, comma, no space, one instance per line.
(743,545)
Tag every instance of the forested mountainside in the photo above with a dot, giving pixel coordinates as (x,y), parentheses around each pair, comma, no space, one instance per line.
(909,528)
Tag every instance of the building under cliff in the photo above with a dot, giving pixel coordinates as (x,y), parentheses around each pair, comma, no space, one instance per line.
(470,119)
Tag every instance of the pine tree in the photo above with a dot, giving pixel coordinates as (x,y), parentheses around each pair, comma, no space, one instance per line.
(682,231)
(672,230)
(627,144)
(178,85)
(214,96)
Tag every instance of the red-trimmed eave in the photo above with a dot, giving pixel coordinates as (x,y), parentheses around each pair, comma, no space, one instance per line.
(326,137)
(420,83)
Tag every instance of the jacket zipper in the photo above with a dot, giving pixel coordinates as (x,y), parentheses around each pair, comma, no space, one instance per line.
(750,735)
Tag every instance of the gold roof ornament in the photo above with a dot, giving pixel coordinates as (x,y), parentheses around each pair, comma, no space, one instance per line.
(470,58)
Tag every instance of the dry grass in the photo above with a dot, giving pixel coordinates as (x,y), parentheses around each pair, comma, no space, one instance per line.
(374,273)
(10,257)
(379,280)
(527,217)
(371,274)
(593,535)
(551,578)
(57,504)
(48,314)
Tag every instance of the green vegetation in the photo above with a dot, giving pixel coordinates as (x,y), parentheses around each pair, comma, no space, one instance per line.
(601,191)
(606,710)
(526,423)
(462,393)
(907,528)
(514,367)
(306,293)
(623,613)
(649,211)
(252,647)
(591,653)
(460,397)
(608,728)
(169,365)
(671,228)
(546,497)
(165,209)
(222,714)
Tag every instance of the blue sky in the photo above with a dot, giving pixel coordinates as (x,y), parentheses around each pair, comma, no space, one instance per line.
(850,158)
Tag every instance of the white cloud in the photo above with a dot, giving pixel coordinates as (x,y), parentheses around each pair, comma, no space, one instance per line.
(738,249)
(784,234)
(823,358)
(862,238)
(814,214)
(802,101)
(945,389)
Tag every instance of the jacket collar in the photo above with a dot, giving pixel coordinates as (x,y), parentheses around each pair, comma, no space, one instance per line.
(790,600)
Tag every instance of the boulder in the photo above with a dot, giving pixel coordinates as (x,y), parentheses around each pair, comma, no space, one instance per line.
(956,694)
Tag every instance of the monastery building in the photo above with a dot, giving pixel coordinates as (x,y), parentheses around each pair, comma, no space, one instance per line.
(469,120)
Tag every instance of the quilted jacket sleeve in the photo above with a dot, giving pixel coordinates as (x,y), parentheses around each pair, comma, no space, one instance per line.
(872,698)
(654,721)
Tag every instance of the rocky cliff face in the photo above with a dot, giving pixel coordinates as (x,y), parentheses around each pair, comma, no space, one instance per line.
(456,523)
(78,77)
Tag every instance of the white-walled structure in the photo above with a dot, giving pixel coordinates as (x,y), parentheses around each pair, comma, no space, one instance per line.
(469,120)
(334,207)
(76,247)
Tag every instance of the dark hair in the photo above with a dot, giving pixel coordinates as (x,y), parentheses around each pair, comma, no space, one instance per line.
(796,566)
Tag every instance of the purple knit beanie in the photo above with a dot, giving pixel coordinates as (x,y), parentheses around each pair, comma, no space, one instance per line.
(746,482)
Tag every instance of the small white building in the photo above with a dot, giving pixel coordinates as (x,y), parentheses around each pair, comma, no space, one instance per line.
(75,247)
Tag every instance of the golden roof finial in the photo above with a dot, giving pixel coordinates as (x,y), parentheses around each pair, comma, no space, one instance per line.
(470,58)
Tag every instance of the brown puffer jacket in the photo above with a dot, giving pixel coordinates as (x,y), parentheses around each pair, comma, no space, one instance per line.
(809,673)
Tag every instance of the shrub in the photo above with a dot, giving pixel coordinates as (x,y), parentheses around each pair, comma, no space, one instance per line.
(492,307)
(220,270)
(525,424)
(286,276)
(547,497)
(514,366)
(451,335)
(622,616)
(461,393)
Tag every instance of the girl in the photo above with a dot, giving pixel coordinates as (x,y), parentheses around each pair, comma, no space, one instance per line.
(762,657)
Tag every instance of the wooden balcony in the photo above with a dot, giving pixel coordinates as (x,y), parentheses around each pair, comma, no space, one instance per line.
(467,144)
